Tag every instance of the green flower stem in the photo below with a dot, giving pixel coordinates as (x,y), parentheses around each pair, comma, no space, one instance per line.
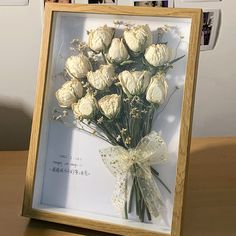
(142,210)
(95,131)
(148,213)
(137,198)
(131,197)
(104,57)
(177,59)
(156,174)
(126,210)
(108,134)
(126,207)
(141,217)
(125,118)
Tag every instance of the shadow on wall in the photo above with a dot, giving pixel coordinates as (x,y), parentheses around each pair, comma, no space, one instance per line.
(15,127)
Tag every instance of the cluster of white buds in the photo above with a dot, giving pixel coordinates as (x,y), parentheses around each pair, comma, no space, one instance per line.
(101,41)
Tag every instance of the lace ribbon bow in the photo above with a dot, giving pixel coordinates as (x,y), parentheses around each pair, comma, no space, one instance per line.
(126,165)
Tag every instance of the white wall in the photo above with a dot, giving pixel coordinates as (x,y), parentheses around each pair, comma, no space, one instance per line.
(20,32)
(19,50)
(215,109)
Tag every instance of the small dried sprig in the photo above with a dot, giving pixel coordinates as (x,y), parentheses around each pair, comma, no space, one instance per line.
(123,131)
(136,100)
(135,113)
(78,46)
(167,101)
(118,138)
(128,140)
(160,33)
(57,115)
(64,117)
(100,120)
(119,23)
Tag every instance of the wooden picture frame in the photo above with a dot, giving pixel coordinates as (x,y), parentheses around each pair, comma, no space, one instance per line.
(61,20)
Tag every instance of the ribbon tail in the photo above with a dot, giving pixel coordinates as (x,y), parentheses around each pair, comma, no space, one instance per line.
(150,192)
(118,162)
(119,197)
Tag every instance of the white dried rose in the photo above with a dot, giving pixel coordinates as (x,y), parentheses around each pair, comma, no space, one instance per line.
(117,51)
(78,66)
(65,97)
(85,108)
(100,38)
(69,93)
(76,86)
(102,78)
(158,55)
(110,105)
(134,83)
(138,38)
(157,89)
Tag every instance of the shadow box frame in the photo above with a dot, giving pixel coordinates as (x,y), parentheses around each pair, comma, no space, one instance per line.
(28,210)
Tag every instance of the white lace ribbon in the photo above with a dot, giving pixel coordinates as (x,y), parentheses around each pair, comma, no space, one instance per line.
(126,165)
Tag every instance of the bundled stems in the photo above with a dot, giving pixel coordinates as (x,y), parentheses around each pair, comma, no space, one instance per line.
(140,205)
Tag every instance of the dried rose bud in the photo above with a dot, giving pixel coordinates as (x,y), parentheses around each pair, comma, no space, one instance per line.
(85,108)
(158,55)
(69,93)
(100,38)
(138,38)
(110,105)
(117,51)
(102,78)
(76,86)
(157,89)
(134,83)
(78,66)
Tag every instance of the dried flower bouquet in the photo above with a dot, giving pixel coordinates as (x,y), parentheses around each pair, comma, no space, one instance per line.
(115,85)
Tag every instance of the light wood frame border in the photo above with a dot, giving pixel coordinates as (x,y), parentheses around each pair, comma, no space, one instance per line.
(186,117)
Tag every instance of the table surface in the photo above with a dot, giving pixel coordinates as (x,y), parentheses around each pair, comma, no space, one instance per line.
(210,208)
